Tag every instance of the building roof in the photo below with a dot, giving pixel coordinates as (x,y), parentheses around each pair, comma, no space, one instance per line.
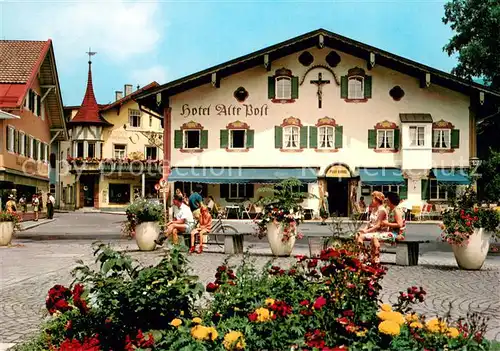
(415,117)
(125,99)
(22,62)
(320,37)
(89,113)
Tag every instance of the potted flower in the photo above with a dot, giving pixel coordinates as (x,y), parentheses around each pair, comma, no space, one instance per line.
(281,215)
(468,228)
(143,223)
(9,222)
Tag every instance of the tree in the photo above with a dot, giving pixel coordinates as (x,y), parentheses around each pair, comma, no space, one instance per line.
(490,177)
(476,24)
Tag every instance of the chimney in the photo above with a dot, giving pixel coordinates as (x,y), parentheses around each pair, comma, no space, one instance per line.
(118,95)
(128,89)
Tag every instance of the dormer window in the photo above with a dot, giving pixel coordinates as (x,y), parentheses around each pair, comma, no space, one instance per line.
(283,87)
(356,86)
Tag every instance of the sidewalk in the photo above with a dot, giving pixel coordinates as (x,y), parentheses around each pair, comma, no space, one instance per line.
(28,224)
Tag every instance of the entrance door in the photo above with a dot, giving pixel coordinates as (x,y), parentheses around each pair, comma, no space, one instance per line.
(338,196)
(88,191)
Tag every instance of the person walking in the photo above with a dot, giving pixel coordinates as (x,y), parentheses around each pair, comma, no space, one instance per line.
(50,205)
(35,202)
(11,204)
(23,204)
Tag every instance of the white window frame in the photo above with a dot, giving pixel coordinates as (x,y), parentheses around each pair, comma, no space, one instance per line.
(288,133)
(439,191)
(12,132)
(31,141)
(414,143)
(134,113)
(35,104)
(22,142)
(27,101)
(46,146)
(42,113)
(387,145)
(95,148)
(231,146)
(352,87)
(439,133)
(283,88)
(120,150)
(146,152)
(238,195)
(39,150)
(386,188)
(185,139)
(323,134)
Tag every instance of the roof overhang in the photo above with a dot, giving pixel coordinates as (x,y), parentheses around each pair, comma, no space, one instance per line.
(6,115)
(157,98)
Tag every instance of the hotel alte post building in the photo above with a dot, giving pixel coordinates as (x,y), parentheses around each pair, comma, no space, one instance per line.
(344,117)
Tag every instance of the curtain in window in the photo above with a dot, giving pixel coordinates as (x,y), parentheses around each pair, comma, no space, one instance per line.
(389,139)
(381,139)
(326,137)
(283,88)
(356,88)
(435,138)
(413,136)
(421,132)
(291,137)
(445,136)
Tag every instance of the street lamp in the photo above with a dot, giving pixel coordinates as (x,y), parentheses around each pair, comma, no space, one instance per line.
(475,161)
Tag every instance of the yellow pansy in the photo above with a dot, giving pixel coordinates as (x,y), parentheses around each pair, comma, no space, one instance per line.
(453,332)
(263,314)
(200,332)
(411,317)
(436,326)
(176,322)
(234,340)
(389,328)
(391,316)
(212,333)
(386,307)
(269,302)
(361,333)
(416,325)
(196,320)
(182,313)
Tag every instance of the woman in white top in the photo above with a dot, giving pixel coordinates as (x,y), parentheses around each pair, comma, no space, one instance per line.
(378,214)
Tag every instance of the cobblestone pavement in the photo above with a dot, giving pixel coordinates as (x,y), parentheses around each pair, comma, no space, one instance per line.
(30,268)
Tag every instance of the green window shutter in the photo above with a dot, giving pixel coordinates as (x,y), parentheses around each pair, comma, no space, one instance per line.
(425,189)
(303,137)
(204,139)
(224,191)
(295,87)
(178,134)
(403,191)
(250,138)
(368,87)
(343,87)
(339,130)
(372,139)
(278,137)
(455,138)
(224,138)
(313,137)
(397,139)
(271,88)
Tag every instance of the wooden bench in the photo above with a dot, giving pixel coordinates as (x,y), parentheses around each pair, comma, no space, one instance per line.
(407,251)
(233,242)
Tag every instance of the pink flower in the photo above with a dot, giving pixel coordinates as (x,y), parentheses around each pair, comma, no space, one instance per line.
(319,303)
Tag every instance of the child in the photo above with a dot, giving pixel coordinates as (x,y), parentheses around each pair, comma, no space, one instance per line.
(204,227)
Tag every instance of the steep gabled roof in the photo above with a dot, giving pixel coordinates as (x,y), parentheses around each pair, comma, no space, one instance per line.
(89,113)
(303,42)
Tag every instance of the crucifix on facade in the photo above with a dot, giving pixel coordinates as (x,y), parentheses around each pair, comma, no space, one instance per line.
(319,82)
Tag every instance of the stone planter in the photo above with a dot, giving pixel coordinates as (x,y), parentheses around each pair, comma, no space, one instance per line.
(6,231)
(473,255)
(145,235)
(275,236)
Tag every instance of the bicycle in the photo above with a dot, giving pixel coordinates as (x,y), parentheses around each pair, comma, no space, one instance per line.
(220,228)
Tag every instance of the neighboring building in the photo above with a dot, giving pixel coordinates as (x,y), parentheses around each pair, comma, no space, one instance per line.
(31,118)
(114,154)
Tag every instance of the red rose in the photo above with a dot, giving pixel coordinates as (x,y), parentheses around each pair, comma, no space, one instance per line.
(319,303)
(312,263)
(304,303)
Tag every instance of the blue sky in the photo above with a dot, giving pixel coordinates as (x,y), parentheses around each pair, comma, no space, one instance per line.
(141,41)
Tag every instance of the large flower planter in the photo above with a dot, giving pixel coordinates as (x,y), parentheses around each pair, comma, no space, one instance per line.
(275,238)
(6,231)
(145,235)
(473,255)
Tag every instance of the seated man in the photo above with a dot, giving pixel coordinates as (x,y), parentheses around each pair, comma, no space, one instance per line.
(183,222)
(203,228)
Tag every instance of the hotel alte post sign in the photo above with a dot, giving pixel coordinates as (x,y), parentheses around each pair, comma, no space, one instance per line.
(338,171)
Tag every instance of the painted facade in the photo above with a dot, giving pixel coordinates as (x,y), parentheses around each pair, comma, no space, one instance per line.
(338,114)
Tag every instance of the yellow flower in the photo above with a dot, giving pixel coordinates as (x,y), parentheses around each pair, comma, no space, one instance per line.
(200,332)
(176,322)
(436,326)
(236,309)
(453,332)
(389,328)
(212,333)
(196,320)
(386,307)
(234,340)
(411,317)
(269,302)
(263,314)
(417,325)
(391,316)
(182,313)
(361,333)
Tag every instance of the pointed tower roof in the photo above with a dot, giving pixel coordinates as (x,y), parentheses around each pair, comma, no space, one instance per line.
(88,113)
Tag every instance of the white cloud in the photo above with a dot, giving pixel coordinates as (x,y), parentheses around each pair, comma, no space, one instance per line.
(145,76)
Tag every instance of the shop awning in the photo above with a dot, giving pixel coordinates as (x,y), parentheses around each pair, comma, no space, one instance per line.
(381,176)
(450,176)
(220,175)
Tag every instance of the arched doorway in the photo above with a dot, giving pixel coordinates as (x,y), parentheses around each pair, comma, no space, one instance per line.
(338,178)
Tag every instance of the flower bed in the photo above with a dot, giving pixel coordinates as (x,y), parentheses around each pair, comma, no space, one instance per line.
(330,302)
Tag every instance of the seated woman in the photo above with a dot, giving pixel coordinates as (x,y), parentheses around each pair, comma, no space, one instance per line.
(394,225)
(377,214)
(204,227)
